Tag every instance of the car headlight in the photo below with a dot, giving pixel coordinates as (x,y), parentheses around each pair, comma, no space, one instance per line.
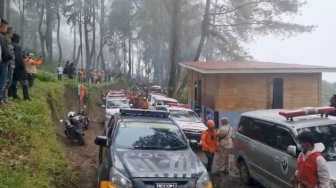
(118,180)
(204,181)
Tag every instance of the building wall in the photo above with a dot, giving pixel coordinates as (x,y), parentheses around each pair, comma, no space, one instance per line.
(243,92)
(209,88)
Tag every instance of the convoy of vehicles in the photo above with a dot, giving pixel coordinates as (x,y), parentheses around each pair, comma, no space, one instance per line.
(266,149)
(144,148)
(114,101)
(152,148)
(191,124)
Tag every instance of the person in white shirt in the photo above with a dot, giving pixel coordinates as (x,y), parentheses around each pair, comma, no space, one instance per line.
(59,72)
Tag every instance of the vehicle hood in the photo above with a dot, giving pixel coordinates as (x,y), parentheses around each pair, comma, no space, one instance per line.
(112,111)
(332,170)
(164,164)
(191,125)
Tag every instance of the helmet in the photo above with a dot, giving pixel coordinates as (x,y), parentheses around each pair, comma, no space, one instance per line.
(71,114)
(211,123)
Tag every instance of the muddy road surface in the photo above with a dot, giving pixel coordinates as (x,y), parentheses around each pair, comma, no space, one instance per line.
(84,159)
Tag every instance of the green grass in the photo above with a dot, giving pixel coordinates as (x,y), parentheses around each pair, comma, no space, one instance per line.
(30,155)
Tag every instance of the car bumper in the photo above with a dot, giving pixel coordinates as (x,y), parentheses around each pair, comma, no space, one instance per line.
(152,182)
(193,136)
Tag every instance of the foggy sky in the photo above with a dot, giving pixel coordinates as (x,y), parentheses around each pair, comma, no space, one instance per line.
(317,48)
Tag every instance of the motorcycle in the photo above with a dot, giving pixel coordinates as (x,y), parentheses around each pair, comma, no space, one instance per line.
(74,132)
(83,119)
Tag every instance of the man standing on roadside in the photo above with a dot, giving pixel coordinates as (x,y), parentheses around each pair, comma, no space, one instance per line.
(11,64)
(209,142)
(20,73)
(5,57)
(59,72)
(222,156)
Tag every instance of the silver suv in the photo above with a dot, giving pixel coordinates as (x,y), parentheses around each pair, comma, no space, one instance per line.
(266,148)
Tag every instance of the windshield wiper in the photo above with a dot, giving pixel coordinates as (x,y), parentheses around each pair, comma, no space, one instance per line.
(182,147)
(148,147)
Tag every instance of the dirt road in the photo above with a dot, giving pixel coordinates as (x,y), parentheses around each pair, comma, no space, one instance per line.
(84,159)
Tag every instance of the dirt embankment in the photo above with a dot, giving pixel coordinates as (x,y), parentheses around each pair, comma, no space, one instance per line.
(84,159)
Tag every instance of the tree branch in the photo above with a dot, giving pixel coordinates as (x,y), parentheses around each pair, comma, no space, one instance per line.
(240,6)
(216,34)
(238,24)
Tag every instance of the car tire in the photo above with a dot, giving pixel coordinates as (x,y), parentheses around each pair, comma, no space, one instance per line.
(244,173)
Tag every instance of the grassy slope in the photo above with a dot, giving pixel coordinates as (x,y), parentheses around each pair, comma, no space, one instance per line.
(30,155)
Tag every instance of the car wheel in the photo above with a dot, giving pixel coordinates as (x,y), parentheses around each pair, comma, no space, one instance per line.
(244,173)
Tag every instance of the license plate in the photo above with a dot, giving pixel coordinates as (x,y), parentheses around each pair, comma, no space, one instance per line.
(166,185)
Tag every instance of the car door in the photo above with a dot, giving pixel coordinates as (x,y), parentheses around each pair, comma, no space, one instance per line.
(263,136)
(285,164)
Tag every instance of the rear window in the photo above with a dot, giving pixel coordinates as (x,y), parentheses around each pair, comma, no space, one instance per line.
(159,135)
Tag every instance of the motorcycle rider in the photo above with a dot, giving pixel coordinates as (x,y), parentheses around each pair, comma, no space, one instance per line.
(73,118)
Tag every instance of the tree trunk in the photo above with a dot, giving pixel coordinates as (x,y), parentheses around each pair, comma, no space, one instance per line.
(102,33)
(2,8)
(74,45)
(86,34)
(22,10)
(80,48)
(40,32)
(125,54)
(49,26)
(58,33)
(205,28)
(129,56)
(8,11)
(174,46)
(93,45)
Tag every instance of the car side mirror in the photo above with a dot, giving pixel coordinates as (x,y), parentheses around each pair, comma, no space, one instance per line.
(291,150)
(103,106)
(101,141)
(193,143)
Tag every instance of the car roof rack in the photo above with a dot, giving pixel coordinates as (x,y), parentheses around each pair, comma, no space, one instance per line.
(141,112)
(323,111)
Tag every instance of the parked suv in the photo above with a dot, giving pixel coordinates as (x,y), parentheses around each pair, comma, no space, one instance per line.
(266,148)
(143,148)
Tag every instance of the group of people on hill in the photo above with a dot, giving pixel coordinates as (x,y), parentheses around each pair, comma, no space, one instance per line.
(16,66)
(83,75)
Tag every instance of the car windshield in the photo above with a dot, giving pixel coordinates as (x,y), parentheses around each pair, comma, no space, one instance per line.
(147,135)
(325,134)
(112,104)
(184,115)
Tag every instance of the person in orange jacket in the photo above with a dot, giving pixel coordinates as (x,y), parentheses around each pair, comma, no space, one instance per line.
(210,142)
(144,103)
(31,65)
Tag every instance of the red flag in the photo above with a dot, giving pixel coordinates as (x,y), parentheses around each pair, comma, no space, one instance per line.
(82,93)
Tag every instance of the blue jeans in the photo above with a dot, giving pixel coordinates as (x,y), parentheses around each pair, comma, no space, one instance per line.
(3,79)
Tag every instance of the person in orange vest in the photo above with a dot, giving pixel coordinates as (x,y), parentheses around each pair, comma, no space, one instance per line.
(30,65)
(210,142)
(312,170)
(144,103)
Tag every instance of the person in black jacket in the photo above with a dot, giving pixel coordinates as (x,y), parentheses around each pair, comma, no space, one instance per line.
(20,74)
(6,56)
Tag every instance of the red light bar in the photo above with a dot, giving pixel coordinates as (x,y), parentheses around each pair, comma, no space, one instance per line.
(307,111)
(179,105)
